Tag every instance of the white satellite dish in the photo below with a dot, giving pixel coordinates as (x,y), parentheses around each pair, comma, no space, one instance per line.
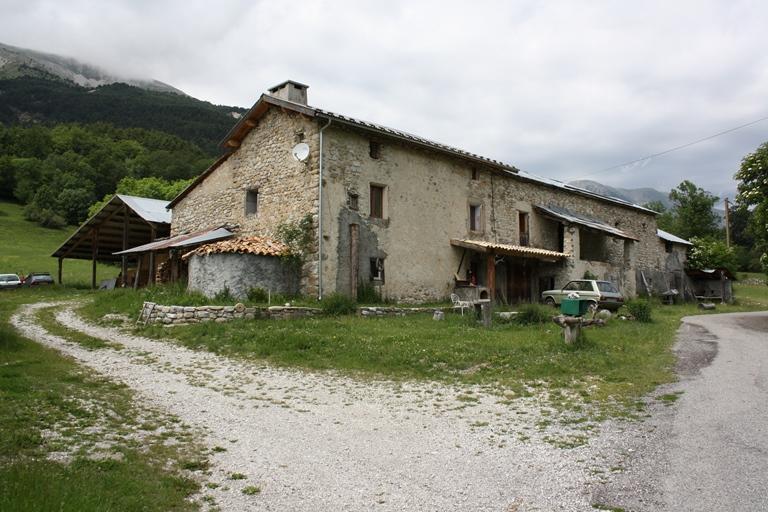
(300,151)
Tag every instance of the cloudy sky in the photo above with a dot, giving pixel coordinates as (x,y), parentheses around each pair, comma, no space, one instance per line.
(563,89)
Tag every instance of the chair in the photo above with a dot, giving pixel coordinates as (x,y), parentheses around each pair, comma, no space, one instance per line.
(460,304)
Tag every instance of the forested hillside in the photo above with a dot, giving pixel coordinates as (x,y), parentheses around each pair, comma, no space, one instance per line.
(58,172)
(30,99)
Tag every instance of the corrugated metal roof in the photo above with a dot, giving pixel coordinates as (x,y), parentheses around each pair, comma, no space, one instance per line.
(186,240)
(669,237)
(511,250)
(151,210)
(575,218)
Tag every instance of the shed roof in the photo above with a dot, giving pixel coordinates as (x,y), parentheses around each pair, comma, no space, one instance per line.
(124,221)
(669,237)
(566,215)
(185,240)
(509,250)
(256,245)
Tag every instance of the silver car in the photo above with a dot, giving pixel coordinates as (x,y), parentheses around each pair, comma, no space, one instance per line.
(9,281)
(604,294)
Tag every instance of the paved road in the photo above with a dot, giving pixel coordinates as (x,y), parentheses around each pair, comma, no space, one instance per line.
(708,451)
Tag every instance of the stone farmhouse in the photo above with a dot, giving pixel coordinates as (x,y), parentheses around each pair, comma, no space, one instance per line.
(416,219)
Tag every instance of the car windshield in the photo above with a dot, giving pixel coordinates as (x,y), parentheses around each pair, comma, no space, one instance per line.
(606,287)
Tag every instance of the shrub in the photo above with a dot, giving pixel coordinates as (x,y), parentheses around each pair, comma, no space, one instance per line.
(338,304)
(258,295)
(224,296)
(640,309)
(530,314)
(369,294)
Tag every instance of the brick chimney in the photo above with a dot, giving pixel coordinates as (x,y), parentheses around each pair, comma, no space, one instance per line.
(290,91)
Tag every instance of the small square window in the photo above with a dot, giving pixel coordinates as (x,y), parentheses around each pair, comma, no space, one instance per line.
(252,202)
(475,174)
(352,201)
(377,201)
(475,217)
(377,269)
(374,149)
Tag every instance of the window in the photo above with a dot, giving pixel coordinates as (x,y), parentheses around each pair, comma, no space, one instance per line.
(668,246)
(374,149)
(592,246)
(606,287)
(377,269)
(475,174)
(522,222)
(352,201)
(377,202)
(252,201)
(475,218)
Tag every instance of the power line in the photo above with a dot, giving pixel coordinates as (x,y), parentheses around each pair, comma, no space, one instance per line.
(676,148)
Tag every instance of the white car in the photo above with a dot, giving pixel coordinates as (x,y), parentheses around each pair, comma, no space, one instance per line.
(604,294)
(9,281)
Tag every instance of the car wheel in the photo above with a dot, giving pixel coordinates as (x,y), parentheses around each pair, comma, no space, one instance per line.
(549,301)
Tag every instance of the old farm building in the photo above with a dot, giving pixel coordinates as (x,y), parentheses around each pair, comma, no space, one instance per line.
(412,217)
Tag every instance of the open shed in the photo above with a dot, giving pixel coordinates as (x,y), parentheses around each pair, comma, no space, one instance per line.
(123,222)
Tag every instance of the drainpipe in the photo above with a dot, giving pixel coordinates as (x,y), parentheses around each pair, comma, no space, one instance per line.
(320,219)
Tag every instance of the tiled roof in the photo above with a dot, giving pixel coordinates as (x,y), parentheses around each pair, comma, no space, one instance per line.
(259,246)
(511,250)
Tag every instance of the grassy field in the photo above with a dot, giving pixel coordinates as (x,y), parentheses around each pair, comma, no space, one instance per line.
(616,364)
(26,247)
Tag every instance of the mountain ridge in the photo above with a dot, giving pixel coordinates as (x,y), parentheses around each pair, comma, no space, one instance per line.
(18,62)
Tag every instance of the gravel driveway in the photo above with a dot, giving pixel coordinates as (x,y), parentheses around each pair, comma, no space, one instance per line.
(321,441)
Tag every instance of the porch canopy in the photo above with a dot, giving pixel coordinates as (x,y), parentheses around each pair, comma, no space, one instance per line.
(509,250)
(491,249)
(567,216)
(124,221)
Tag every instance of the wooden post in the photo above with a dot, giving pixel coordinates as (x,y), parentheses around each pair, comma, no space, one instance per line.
(491,275)
(152,266)
(61,264)
(354,259)
(124,257)
(138,271)
(94,253)
(486,311)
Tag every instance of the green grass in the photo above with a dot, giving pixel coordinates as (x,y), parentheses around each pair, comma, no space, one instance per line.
(27,248)
(616,364)
(40,390)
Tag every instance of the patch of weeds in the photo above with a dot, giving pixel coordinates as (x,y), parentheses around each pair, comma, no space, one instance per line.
(237,476)
(567,442)
(464,397)
(599,506)
(670,398)
(338,304)
(479,424)
(218,449)
(195,464)
(250,490)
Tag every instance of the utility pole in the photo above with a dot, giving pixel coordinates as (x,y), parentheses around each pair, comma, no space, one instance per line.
(727,224)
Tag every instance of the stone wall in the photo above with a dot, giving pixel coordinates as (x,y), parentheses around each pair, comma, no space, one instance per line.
(177,315)
(211,274)
(287,188)
(427,199)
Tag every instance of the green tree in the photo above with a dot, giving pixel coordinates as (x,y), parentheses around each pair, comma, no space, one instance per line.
(753,196)
(710,253)
(693,211)
(665,219)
